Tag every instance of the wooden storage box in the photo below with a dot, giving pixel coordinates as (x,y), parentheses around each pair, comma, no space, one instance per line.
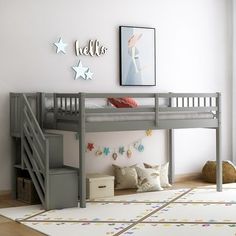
(99,186)
(26,191)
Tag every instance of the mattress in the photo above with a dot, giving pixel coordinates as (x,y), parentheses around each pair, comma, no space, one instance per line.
(130,116)
(148,116)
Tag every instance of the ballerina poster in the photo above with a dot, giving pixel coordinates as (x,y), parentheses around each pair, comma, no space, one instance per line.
(137,56)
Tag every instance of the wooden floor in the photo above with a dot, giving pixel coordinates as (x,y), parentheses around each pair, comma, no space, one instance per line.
(12,228)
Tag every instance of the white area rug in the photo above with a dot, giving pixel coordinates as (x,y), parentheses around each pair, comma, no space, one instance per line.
(20,213)
(100,212)
(210,195)
(200,211)
(181,230)
(192,212)
(77,229)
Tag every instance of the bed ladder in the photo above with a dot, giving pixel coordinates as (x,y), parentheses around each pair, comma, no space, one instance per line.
(42,156)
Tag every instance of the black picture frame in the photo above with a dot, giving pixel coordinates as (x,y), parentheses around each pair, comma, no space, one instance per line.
(137,56)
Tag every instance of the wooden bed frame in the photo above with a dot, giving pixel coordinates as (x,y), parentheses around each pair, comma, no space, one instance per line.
(69,113)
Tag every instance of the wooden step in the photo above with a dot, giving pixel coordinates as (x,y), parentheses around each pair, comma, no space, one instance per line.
(62,170)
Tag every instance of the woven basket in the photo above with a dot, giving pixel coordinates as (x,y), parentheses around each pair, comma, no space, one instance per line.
(209,172)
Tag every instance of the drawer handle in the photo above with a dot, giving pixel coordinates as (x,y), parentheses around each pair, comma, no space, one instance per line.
(102,186)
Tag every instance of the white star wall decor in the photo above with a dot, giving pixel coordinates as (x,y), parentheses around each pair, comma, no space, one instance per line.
(80,71)
(61,46)
(88,74)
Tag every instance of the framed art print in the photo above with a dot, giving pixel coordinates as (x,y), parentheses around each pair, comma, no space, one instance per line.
(137,56)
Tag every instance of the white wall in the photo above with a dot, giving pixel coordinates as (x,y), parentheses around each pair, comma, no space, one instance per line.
(234,84)
(193,55)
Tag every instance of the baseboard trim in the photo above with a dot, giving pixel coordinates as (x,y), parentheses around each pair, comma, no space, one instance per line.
(187,177)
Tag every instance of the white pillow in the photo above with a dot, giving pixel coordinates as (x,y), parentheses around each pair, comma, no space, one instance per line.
(148,180)
(164,170)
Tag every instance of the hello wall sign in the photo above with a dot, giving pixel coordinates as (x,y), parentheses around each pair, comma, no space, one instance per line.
(92,49)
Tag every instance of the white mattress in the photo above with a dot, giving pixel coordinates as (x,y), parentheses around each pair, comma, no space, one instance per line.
(134,116)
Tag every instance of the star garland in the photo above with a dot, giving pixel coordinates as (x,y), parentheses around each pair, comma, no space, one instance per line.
(90,146)
(106,150)
(119,151)
(149,132)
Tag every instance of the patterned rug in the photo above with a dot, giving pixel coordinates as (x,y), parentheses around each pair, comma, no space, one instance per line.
(178,212)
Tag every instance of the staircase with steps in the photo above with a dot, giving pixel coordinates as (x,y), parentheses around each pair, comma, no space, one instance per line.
(40,154)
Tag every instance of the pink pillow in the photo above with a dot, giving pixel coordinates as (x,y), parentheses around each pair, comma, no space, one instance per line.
(123,102)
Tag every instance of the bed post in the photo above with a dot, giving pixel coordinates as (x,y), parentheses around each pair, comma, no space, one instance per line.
(218,147)
(171,155)
(82,175)
(41,107)
(171,150)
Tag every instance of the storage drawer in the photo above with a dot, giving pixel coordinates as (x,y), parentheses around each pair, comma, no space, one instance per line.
(99,186)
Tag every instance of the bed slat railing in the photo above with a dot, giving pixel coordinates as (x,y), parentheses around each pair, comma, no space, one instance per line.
(66,104)
(205,100)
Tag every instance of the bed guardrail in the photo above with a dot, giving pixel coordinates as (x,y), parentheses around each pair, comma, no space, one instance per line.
(70,101)
(66,105)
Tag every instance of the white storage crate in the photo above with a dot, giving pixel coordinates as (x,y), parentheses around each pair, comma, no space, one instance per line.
(99,186)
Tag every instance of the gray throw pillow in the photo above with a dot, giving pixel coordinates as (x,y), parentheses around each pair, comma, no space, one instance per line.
(125,177)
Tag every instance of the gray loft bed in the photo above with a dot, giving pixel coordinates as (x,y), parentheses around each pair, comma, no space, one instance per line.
(67,111)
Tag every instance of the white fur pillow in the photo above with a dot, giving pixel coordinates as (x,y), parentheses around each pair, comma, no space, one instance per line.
(148,180)
(164,170)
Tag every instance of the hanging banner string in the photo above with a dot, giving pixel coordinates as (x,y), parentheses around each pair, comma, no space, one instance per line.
(121,150)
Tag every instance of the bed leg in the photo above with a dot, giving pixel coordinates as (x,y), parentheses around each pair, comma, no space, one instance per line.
(171,155)
(218,160)
(82,174)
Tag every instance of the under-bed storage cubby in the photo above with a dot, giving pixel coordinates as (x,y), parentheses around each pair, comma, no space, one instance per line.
(26,191)
(23,188)
(21,192)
